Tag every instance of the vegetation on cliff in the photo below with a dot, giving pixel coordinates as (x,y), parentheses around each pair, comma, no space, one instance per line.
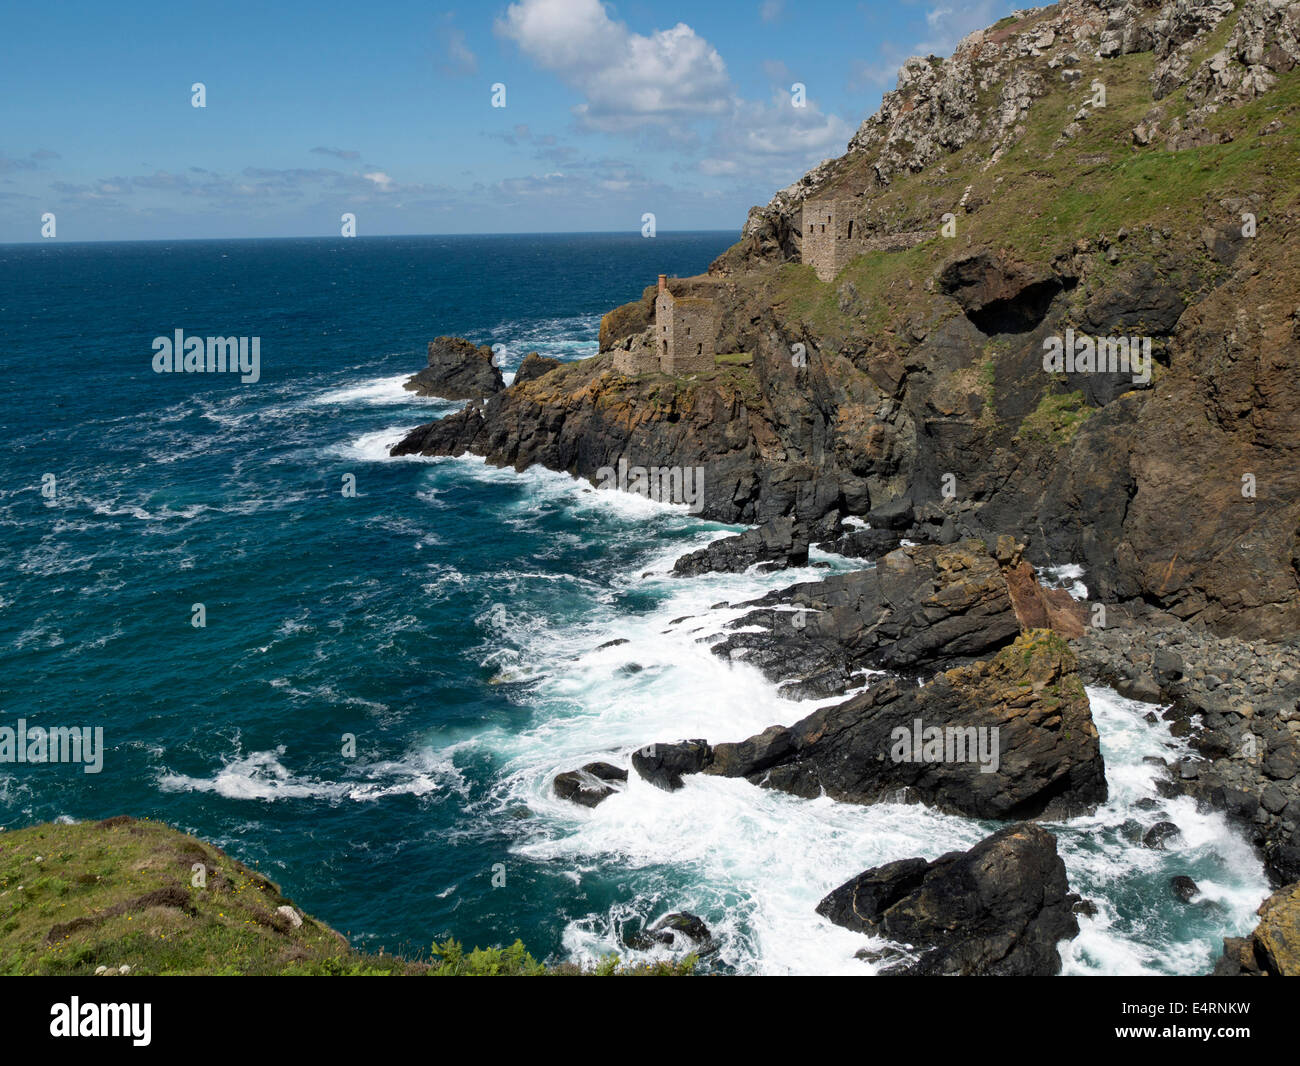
(134,896)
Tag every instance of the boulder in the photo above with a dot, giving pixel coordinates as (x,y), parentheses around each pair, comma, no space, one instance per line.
(999,909)
(664,764)
(1160,834)
(591,785)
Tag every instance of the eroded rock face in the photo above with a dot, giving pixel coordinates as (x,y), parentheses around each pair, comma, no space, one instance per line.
(458,370)
(1008,738)
(934,605)
(999,909)
(1273,949)
(1138,482)
(581,418)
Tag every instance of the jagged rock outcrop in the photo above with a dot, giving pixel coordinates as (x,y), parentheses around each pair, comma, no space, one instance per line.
(1273,949)
(581,418)
(999,909)
(1011,737)
(533,367)
(458,370)
(931,606)
(778,544)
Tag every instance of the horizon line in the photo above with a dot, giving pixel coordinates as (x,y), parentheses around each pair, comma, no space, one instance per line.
(371,236)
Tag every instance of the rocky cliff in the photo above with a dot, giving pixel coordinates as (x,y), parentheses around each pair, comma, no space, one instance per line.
(1100,167)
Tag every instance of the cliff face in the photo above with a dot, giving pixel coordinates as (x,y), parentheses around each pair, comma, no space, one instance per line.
(1095,169)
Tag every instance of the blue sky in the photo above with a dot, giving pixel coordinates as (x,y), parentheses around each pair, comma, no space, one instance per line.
(385,110)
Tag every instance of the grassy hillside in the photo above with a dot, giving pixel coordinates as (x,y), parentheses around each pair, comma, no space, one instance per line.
(99,896)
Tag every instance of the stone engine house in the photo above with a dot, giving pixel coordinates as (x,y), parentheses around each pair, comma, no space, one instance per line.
(684,337)
(684,332)
(831,236)
(832,232)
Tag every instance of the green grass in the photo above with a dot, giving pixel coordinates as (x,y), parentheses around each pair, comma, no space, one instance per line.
(1041,196)
(121,893)
(1057,417)
(734,359)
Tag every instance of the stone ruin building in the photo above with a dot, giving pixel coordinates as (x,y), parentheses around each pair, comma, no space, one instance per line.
(684,337)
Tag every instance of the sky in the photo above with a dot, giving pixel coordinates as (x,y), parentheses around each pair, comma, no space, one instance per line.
(385,111)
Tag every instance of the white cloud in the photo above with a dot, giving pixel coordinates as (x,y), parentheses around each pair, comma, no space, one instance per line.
(627,79)
(380,179)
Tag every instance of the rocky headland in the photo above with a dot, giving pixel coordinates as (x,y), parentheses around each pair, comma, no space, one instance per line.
(1098,169)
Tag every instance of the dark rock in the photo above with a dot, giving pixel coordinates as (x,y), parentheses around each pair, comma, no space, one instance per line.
(1168,664)
(684,925)
(1282,762)
(591,785)
(931,605)
(1140,687)
(458,370)
(897,515)
(998,909)
(1160,834)
(533,367)
(863,543)
(664,764)
(1184,888)
(778,541)
(1282,860)
(1047,760)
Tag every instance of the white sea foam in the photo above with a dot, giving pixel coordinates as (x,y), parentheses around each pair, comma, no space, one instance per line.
(1106,861)
(261,775)
(385,391)
(1065,576)
(755,863)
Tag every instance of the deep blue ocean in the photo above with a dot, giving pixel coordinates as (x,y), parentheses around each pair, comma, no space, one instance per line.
(448,617)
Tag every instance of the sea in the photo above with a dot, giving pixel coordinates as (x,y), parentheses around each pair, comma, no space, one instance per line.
(361,674)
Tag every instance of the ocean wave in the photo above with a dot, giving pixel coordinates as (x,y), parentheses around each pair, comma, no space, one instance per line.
(262,775)
(754,863)
(384,391)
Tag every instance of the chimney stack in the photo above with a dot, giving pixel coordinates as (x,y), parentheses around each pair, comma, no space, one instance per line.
(663,282)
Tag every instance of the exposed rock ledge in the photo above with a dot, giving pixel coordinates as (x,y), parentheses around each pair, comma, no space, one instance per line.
(1015,739)
(999,909)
